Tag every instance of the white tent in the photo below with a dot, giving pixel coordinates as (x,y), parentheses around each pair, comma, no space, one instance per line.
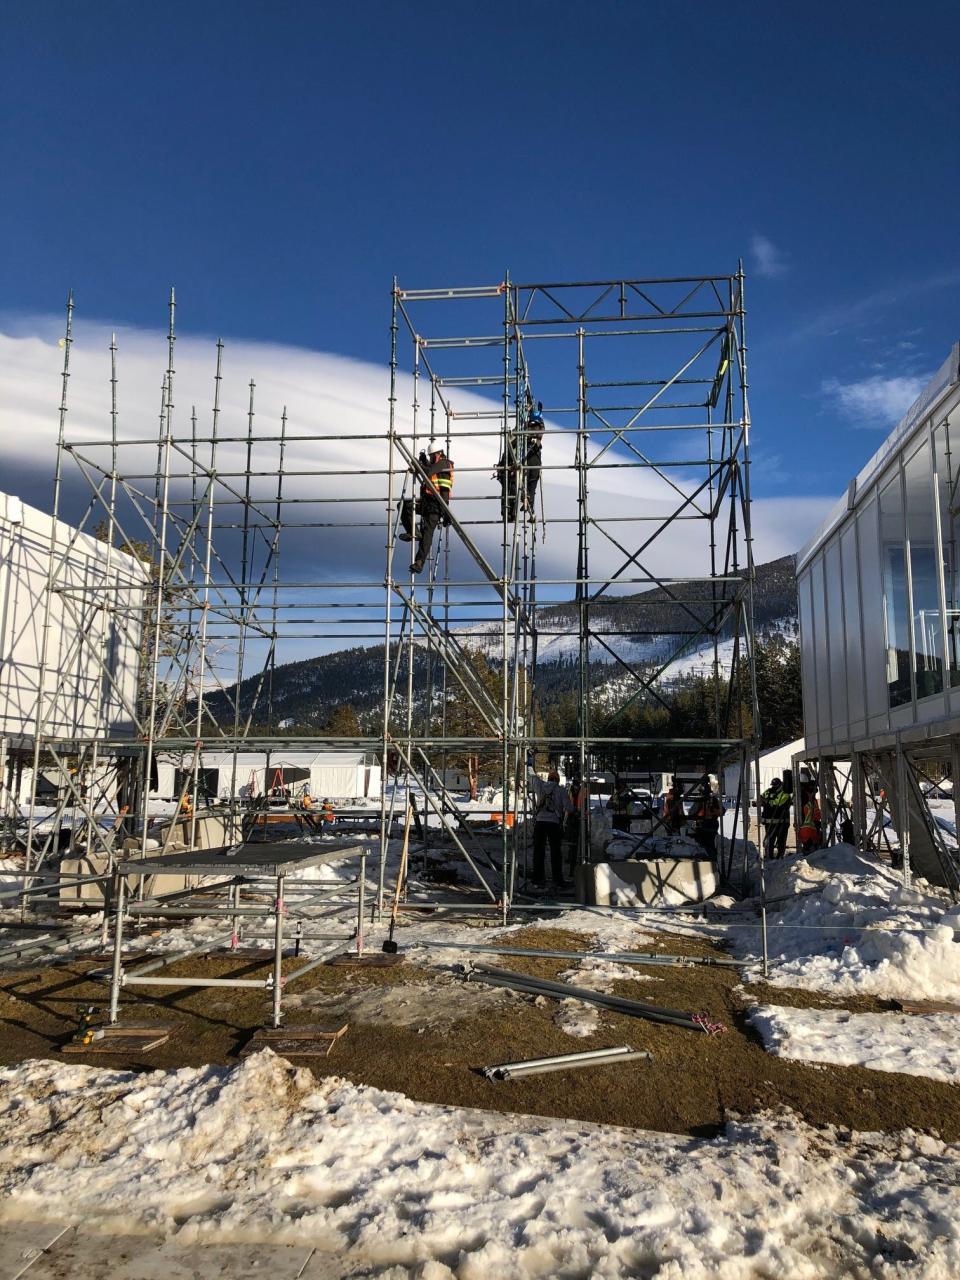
(772,765)
(334,775)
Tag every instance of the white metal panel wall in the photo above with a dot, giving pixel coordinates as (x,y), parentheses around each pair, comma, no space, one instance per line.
(808,663)
(821,680)
(92,658)
(836,646)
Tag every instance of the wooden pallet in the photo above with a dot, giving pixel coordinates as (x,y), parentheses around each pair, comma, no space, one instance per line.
(305,1041)
(123,1037)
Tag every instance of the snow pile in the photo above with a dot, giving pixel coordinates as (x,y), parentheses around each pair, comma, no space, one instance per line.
(9,883)
(850,927)
(925,1045)
(375,1181)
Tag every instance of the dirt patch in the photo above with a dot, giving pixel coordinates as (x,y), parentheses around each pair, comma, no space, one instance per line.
(798,998)
(692,1085)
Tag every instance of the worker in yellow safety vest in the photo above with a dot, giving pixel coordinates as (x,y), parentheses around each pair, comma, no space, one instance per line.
(775,816)
(433,505)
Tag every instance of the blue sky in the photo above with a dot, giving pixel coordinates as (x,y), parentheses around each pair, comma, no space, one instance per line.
(279,163)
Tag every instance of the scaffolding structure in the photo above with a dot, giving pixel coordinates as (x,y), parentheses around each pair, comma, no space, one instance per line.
(643,482)
(645,389)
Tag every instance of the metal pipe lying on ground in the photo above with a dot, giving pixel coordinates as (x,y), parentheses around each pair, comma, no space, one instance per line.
(562,1062)
(563,990)
(45,943)
(613,1003)
(631,957)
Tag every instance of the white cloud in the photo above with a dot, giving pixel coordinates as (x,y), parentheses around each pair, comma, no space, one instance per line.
(875,401)
(326,396)
(768,261)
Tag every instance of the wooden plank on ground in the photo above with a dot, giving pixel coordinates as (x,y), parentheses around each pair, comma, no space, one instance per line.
(369,959)
(304,1041)
(131,1037)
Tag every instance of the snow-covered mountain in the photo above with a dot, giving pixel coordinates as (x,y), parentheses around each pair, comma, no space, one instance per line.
(635,627)
(642,629)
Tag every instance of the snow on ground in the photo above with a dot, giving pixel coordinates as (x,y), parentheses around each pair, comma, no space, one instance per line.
(423,942)
(849,926)
(918,1045)
(596,974)
(10,883)
(384,1185)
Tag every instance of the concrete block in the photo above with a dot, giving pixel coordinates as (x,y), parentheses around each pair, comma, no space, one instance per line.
(655,880)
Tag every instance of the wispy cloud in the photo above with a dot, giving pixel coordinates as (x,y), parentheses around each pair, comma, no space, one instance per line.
(875,401)
(337,528)
(768,261)
(845,317)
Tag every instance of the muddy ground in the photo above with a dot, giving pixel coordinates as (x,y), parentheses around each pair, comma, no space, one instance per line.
(426,1036)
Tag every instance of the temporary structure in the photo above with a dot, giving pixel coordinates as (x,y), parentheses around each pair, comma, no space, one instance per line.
(772,765)
(337,775)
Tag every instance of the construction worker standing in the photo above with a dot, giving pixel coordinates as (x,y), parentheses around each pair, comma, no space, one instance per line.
(810,819)
(435,490)
(580,801)
(707,817)
(619,805)
(775,816)
(674,815)
(551,804)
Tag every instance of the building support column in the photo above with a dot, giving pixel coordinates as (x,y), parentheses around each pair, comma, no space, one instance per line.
(859,798)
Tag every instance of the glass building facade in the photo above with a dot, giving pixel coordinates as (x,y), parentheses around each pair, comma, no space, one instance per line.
(879,586)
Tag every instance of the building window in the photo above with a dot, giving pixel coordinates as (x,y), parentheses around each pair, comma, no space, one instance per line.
(924,573)
(895,597)
(946,443)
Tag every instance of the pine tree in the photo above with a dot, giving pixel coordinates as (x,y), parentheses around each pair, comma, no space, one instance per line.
(343,722)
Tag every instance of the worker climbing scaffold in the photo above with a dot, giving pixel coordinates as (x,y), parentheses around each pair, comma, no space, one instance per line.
(518,470)
(533,457)
(436,487)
